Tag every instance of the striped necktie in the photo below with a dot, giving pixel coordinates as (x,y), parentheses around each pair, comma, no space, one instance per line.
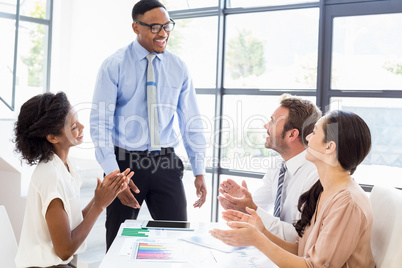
(152,106)
(277,208)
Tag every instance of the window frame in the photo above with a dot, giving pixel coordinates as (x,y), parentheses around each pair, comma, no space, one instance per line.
(20,18)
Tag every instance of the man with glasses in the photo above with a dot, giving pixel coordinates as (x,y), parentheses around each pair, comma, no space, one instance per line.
(142,92)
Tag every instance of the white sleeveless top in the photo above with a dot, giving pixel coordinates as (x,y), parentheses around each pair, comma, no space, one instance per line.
(49,181)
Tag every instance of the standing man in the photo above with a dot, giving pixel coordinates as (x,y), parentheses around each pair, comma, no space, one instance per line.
(287,178)
(139,92)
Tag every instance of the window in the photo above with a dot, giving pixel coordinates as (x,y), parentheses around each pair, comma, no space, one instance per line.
(366,52)
(187,41)
(384,163)
(272,50)
(25,52)
(206,104)
(7,31)
(256,3)
(188,4)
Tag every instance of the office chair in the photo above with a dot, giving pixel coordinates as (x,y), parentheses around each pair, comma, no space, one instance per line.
(386,237)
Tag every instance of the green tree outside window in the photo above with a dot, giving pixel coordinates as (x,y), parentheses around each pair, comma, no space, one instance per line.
(35,59)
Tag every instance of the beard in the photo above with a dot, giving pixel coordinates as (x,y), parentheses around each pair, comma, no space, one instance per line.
(277,144)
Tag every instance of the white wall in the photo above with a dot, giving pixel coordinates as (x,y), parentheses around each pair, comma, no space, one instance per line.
(14,178)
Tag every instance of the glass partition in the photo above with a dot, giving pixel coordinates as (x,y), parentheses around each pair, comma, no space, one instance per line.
(7,32)
(366,53)
(272,50)
(188,42)
(206,104)
(188,4)
(8,6)
(383,165)
(32,59)
(256,3)
(33,8)
(24,52)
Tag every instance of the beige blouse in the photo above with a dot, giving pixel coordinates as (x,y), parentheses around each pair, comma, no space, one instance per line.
(340,236)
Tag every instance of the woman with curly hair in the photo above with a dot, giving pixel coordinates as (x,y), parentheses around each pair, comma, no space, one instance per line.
(336,218)
(54,228)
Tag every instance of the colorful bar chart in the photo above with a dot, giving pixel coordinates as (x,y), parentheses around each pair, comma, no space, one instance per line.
(155,251)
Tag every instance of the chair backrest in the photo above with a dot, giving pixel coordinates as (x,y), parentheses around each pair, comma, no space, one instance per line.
(8,244)
(386,239)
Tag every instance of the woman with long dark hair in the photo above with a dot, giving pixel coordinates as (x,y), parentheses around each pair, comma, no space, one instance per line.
(55,228)
(336,218)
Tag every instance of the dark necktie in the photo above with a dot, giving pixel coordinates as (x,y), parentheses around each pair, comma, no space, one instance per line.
(277,208)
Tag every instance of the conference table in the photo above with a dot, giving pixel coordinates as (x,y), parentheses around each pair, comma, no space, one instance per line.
(135,246)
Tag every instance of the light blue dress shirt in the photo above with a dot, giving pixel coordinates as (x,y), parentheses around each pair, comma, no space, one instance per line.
(119,114)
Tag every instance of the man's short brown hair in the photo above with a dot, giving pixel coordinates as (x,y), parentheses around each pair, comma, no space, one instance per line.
(303,114)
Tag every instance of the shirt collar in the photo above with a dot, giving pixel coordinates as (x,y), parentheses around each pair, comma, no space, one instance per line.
(59,163)
(294,163)
(141,52)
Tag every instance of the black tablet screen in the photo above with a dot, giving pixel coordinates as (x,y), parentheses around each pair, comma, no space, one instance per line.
(168,224)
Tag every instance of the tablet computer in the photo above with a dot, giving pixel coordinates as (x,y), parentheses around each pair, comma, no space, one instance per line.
(168,225)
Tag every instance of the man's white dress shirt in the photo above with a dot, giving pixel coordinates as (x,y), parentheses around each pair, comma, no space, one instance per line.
(300,175)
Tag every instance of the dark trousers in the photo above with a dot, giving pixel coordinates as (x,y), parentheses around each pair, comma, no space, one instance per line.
(159,178)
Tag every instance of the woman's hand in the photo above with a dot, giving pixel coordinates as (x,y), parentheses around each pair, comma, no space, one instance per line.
(242,234)
(251,218)
(107,190)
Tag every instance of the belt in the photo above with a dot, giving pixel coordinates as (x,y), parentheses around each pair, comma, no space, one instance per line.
(163,151)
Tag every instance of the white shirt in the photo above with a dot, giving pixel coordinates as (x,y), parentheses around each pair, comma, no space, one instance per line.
(49,181)
(300,175)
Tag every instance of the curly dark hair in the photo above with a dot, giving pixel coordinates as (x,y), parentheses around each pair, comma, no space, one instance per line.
(42,115)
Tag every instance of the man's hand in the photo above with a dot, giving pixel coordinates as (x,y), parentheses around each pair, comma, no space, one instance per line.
(201,190)
(126,197)
(228,201)
(107,190)
(231,187)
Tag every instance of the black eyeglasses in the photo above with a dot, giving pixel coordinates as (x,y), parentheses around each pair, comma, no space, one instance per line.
(156,28)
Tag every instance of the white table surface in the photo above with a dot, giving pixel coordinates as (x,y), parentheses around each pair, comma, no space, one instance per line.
(193,255)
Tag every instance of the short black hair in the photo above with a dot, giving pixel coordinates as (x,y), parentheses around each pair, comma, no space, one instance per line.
(143,6)
(42,115)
